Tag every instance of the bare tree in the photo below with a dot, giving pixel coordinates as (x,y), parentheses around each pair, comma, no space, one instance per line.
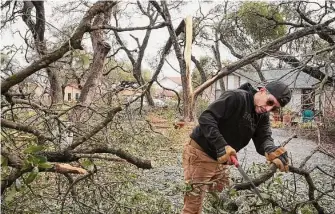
(141,47)
(98,13)
(37,28)
(85,144)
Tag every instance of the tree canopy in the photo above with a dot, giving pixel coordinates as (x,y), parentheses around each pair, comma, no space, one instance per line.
(82,131)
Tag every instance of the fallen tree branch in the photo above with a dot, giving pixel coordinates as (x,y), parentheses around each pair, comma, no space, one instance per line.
(140,163)
(262,52)
(311,187)
(110,115)
(41,137)
(71,187)
(270,172)
(18,171)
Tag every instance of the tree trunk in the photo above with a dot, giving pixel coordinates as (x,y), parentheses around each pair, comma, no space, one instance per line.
(222,86)
(184,68)
(140,81)
(101,49)
(56,93)
(38,30)
(88,91)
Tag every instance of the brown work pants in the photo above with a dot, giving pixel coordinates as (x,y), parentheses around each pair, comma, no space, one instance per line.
(201,174)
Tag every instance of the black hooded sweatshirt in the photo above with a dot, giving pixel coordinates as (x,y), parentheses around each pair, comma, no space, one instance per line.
(232,120)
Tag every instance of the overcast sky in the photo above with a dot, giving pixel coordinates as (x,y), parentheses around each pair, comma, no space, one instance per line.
(157,40)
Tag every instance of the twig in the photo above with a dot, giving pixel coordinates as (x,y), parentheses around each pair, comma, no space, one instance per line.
(70,188)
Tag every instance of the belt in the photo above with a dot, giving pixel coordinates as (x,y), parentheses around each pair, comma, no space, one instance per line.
(195,145)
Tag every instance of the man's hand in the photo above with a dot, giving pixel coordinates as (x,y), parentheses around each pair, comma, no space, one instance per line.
(278,156)
(224,155)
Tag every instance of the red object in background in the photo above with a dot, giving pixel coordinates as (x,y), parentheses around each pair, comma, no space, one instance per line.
(276,116)
(179,124)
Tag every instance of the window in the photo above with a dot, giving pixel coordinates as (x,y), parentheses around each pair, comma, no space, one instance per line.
(231,82)
(68,96)
(218,93)
(77,96)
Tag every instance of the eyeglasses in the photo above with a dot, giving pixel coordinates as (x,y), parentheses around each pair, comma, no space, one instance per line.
(271,102)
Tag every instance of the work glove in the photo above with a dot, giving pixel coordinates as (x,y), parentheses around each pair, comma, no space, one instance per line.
(278,156)
(224,155)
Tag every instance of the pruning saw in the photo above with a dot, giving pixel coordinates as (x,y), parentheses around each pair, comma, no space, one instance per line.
(246,177)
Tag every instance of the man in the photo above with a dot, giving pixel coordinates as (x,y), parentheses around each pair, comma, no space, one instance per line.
(225,127)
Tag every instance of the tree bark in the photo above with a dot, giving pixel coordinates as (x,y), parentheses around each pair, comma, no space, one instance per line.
(101,49)
(38,30)
(185,76)
(73,43)
(217,55)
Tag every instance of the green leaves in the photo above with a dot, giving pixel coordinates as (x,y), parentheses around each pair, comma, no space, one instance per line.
(33,149)
(87,164)
(36,161)
(233,193)
(4,161)
(32,175)
(45,165)
(260,20)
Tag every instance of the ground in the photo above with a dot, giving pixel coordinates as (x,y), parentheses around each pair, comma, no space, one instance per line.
(167,175)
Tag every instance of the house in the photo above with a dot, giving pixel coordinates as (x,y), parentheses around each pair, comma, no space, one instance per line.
(173,83)
(231,81)
(301,84)
(71,92)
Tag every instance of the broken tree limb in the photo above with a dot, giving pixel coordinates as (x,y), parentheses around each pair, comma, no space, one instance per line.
(266,175)
(262,52)
(139,162)
(67,168)
(25,128)
(97,128)
(271,171)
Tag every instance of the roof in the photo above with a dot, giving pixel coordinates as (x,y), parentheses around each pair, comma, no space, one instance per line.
(176,80)
(294,78)
(165,93)
(73,85)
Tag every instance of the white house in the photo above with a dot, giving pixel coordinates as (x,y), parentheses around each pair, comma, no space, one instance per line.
(173,83)
(71,93)
(301,85)
(231,81)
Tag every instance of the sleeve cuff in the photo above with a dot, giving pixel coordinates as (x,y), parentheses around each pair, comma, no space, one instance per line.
(220,147)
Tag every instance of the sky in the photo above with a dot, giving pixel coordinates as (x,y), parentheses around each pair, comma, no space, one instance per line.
(157,39)
(10,36)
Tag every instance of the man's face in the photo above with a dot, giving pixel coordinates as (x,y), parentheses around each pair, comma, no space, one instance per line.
(265,102)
